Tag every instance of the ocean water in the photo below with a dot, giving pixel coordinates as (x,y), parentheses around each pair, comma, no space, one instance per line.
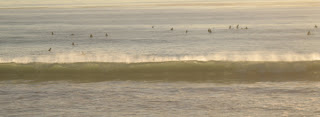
(270,69)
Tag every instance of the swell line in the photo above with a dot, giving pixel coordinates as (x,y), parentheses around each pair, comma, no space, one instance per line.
(193,71)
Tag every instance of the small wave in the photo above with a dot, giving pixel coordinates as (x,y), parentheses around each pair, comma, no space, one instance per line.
(194,71)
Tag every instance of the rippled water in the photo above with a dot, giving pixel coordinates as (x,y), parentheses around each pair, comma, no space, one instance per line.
(129,98)
(276,33)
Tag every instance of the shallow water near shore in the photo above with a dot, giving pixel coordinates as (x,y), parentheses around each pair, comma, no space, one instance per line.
(130,98)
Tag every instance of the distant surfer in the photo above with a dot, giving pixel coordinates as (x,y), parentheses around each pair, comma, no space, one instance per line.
(309,33)
(171,29)
(246,28)
(209,30)
(107,34)
(152,26)
(91,35)
(73,44)
(238,26)
(72,34)
(315,26)
(186,31)
(49,50)
(230,27)
(52,33)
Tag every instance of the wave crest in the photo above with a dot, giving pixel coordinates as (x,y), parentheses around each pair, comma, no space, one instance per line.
(125,58)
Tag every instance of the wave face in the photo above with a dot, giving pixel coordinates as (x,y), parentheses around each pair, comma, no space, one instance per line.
(193,71)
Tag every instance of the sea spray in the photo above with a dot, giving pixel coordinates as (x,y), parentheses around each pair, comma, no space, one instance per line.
(127,58)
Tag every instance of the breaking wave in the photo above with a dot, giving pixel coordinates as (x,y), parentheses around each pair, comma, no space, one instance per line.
(194,71)
(126,58)
(221,67)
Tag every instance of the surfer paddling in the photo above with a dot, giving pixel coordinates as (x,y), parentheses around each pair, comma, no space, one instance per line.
(91,35)
(49,50)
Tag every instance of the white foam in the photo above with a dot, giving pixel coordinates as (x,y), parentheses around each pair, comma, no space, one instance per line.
(125,58)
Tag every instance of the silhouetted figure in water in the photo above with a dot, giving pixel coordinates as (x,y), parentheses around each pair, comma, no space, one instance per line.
(152,26)
(238,26)
(246,28)
(91,35)
(315,26)
(209,30)
(107,34)
(171,29)
(230,27)
(187,31)
(309,33)
(52,33)
(73,44)
(49,50)
(72,34)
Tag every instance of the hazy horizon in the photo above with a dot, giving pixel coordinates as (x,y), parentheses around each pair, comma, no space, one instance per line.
(154,3)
